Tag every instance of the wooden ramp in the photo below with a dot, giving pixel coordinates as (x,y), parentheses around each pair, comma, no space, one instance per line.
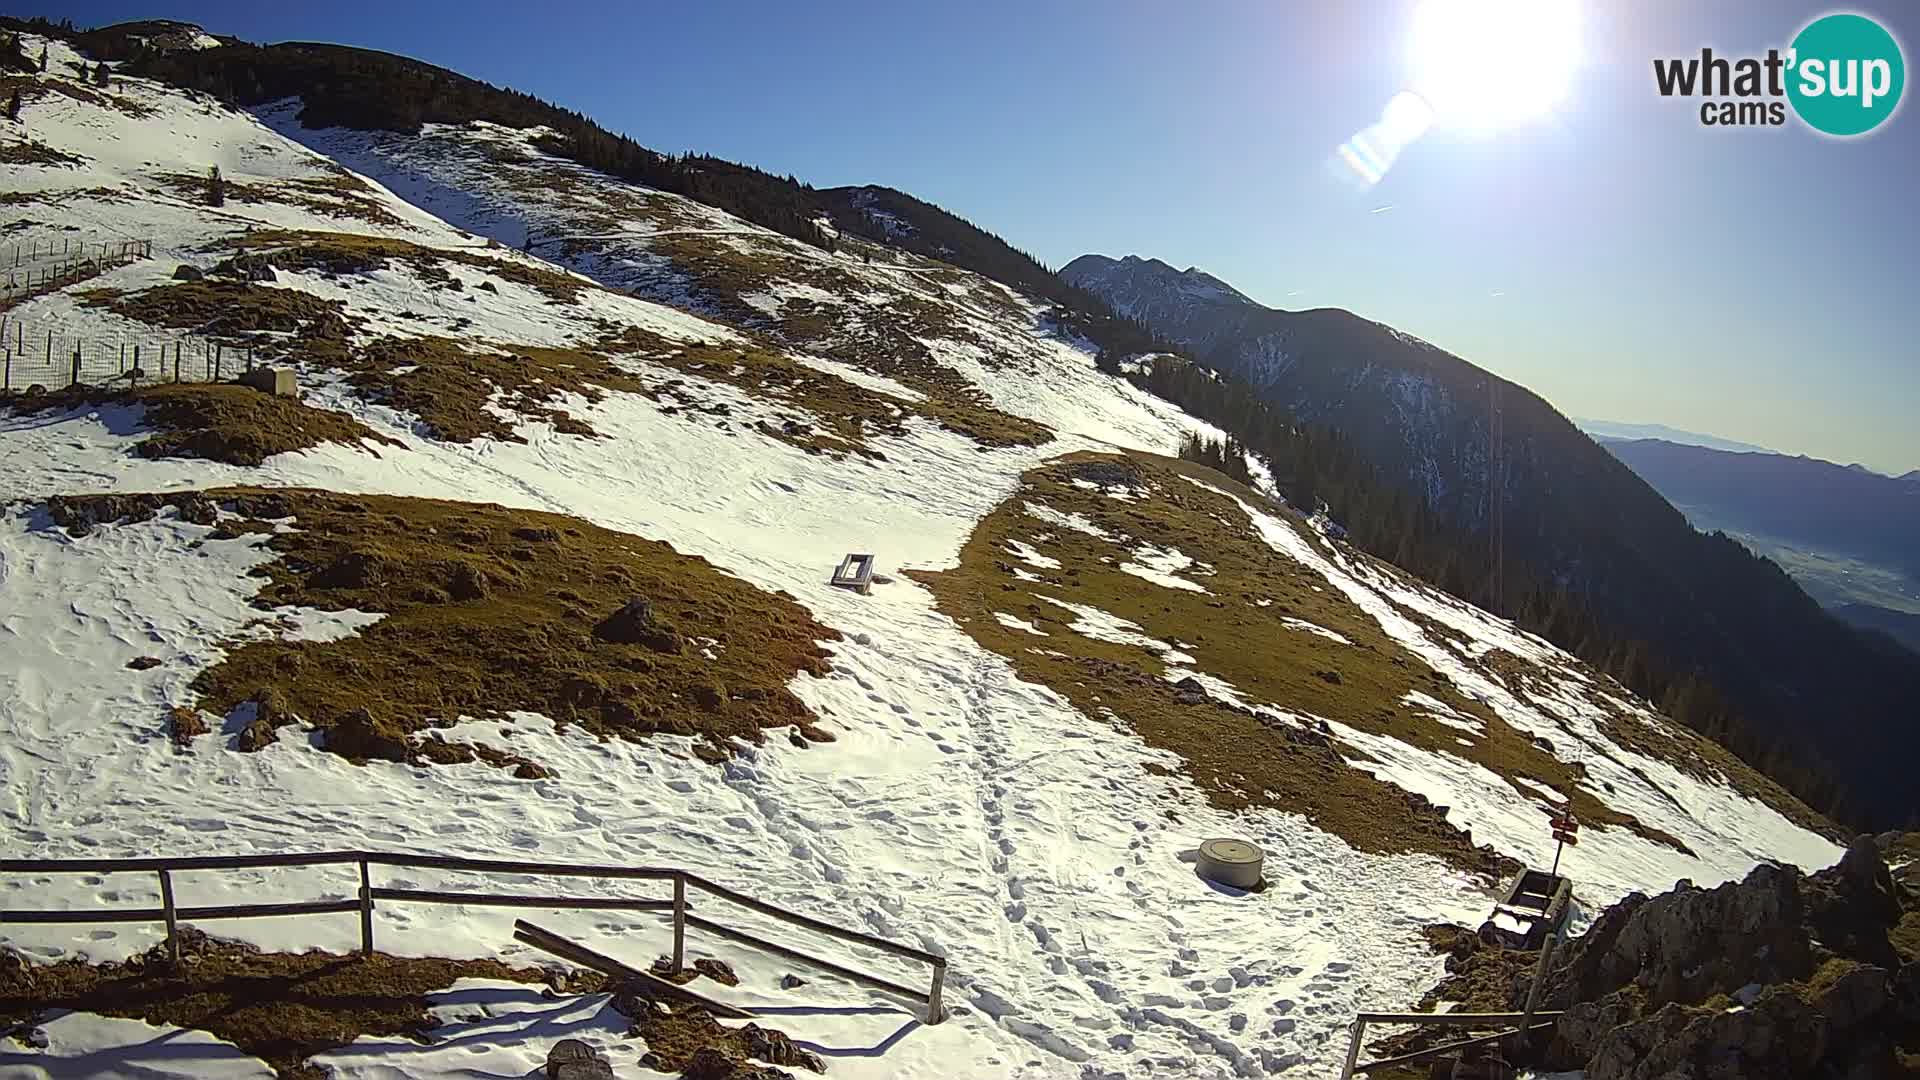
(644,982)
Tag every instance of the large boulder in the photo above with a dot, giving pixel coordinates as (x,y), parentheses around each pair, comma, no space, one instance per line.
(1692,943)
(1781,975)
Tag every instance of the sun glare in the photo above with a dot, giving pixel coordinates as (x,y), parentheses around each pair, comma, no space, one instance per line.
(1486,65)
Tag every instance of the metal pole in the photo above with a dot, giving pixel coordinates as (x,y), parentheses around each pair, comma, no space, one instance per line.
(1557,849)
(173,922)
(366,911)
(1353,1049)
(679,922)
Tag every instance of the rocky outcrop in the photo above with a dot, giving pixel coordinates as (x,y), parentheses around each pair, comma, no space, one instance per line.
(1782,975)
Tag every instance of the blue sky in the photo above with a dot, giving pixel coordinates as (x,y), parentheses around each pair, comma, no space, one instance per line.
(1619,258)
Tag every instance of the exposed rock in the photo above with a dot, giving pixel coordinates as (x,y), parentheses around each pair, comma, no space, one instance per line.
(185,725)
(78,514)
(1779,976)
(571,1059)
(791,982)
(719,971)
(354,570)
(142,663)
(256,736)
(359,737)
(634,624)
(188,272)
(467,583)
(1188,691)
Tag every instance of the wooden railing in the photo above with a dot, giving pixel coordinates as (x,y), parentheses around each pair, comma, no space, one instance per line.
(173,915)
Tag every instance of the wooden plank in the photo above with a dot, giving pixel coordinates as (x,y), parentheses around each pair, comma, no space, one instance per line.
(511,866)
(1453,1019)
(265,911)
(180,914)
(815,925)
(548,941)
(778,949)
(1436,1051)
(583,903)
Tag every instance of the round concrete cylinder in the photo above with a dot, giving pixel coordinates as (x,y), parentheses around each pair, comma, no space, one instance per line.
(1230,862)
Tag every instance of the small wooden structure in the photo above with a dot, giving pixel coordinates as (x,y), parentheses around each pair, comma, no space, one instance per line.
(856,573)
(1535,904)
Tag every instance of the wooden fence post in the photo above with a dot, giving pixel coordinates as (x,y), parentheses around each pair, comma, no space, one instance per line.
(6,380)
(1539,982)
(679,922)
(1359,1030)
(933,995)
(366,911)
(173,920)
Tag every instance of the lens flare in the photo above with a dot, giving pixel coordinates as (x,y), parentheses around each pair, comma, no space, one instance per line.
(1368,155)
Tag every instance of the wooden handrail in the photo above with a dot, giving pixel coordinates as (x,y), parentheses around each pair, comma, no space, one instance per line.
(778,949)
(365,896)
(816,925)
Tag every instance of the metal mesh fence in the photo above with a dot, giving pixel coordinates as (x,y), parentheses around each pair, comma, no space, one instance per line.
(52,361)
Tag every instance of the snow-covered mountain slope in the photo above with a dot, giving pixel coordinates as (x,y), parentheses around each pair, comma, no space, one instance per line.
(1188,306)
(1573,522)
(796,405)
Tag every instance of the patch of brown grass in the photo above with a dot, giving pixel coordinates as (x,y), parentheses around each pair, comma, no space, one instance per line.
(29,152)
(492,611)
(691,1042)
(280,1007)
(61,196)
(349,253)
(1239,759)
(341,195)
(219,421)
(232,309)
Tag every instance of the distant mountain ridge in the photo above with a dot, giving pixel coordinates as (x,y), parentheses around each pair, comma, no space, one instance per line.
(1573,514)
(1615,429)
(1801,499)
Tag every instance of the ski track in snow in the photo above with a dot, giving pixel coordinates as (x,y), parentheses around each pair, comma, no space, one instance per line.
(960,809)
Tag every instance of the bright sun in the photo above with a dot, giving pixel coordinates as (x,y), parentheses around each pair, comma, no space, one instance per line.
(1485,65)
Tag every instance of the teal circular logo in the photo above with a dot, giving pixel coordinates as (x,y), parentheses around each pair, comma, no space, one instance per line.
(1846,74)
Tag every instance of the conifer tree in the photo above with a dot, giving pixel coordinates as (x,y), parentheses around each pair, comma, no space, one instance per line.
(13,105)
(216,188)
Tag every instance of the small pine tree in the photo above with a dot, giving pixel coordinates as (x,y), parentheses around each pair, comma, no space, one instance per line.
(101,75)
(13,105)
(216,188)
(43,58)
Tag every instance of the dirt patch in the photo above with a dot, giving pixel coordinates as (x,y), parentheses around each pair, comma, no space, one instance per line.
(217,421)
(689,1041)
(491,611)
(281,1007)
(29,152)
